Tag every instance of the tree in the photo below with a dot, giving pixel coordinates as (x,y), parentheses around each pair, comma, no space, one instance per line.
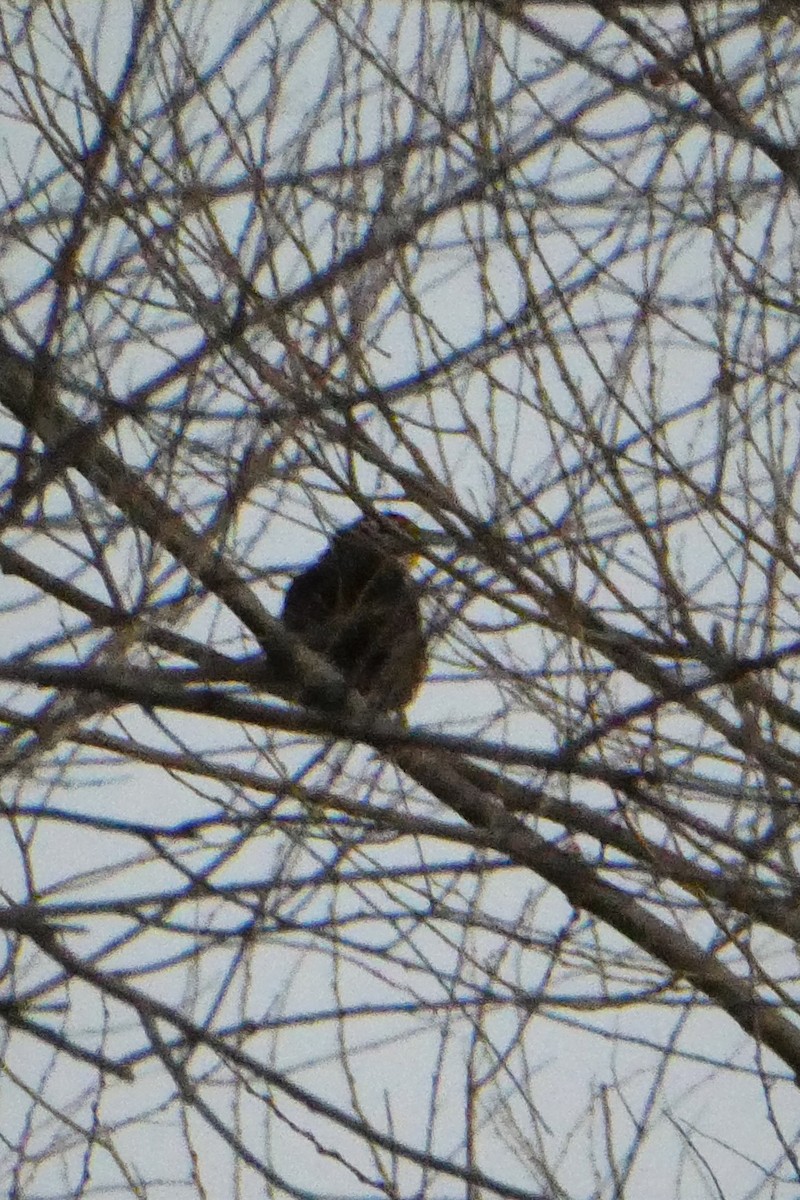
(527,274)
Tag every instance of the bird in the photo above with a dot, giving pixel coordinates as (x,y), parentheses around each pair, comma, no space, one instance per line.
(358,606)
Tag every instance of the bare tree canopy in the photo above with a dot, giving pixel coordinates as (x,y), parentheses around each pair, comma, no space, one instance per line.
(527,276)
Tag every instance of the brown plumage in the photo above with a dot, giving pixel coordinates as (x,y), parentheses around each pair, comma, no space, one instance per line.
(358,607)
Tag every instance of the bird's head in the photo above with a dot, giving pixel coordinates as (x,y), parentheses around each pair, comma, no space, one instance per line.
(391,532)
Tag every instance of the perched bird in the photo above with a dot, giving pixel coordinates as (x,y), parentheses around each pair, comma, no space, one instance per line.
(358,606)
